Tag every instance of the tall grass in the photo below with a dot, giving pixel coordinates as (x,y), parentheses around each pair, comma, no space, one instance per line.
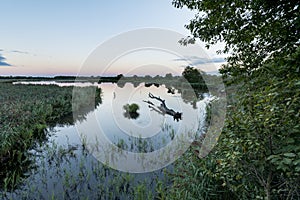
(70,172)
(26,110)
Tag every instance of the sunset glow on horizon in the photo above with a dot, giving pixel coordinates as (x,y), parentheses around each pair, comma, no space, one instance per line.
(53,38)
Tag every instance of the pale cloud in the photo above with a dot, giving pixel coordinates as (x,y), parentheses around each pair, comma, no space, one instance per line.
(196,60)
(3,61)
(21,52)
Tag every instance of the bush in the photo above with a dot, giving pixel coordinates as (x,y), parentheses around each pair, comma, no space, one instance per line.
(132,108)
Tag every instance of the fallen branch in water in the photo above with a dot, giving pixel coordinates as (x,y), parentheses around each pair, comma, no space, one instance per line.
(163,108)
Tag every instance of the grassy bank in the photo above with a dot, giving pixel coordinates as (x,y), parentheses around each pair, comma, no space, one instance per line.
(26,110)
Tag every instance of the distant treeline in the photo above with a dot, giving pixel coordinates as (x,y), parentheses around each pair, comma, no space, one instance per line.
(194,77)
(38,77)
(64,78)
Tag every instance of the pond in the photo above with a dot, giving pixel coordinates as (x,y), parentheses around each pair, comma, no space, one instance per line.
(111,154)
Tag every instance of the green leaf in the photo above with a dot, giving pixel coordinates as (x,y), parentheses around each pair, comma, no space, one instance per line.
(287,161)
(296,162)
(291,155)
(272,157)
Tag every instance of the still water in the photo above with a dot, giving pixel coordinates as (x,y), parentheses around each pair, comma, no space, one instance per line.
(110,154)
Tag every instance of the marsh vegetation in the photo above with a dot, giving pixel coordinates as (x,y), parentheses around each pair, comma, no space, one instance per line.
(26,112)
(42,156)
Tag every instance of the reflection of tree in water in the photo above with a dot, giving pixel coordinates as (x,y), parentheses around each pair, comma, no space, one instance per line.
(189,96)
(136,84)
(150,84)
(190,85)
(85,100)
(121,83)
(131,115)
(171,90)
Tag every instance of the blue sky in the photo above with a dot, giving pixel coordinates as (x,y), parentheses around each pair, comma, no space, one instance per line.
(55,37)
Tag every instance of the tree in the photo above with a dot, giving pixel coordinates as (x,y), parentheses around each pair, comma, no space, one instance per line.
(119,76)
(258,153)
(194,77)
(253,31)
(169,75)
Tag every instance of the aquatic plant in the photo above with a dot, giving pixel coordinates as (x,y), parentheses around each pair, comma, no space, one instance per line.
(26,111)
(131,110)
(66,172)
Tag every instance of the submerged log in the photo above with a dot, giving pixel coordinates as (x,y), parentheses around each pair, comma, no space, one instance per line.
(163,109)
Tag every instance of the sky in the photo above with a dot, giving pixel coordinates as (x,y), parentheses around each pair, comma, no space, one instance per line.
(57,37)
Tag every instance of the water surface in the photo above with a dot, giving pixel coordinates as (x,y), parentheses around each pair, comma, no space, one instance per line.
(66,165)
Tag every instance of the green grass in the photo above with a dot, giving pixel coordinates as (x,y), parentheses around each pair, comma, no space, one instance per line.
(75,174)
(26,111)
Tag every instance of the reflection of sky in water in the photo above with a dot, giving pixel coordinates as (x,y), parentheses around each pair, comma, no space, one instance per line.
(154,128)
(109,116)
(61,84)
(108,119)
